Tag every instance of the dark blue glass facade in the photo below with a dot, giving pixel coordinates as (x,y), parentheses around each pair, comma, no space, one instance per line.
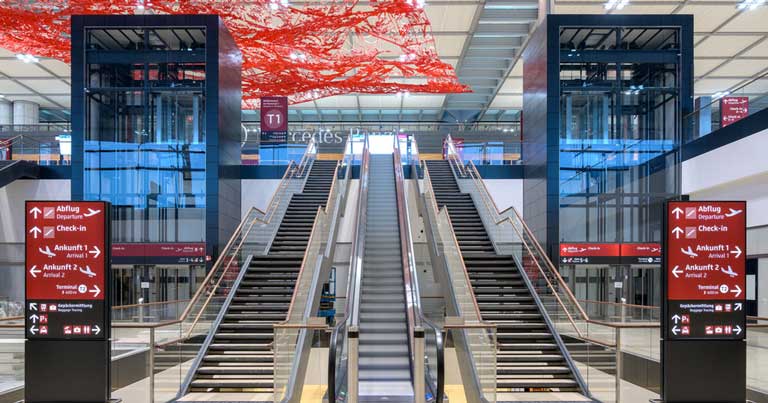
(156,127)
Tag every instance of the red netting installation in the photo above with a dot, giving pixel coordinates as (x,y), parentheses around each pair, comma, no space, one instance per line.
(309,52)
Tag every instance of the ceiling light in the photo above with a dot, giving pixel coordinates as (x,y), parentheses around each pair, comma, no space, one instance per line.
(27,58)
(750,4)
(616,4)
(720,94)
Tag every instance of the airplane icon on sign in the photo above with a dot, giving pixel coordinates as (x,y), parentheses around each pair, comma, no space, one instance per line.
(47,251)
(729,272)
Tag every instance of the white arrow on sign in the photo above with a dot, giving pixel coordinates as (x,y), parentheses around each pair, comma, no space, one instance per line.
(737,252)
(677,211)
(676,318)
(91,212)
(736,290)
(689,252)
(87,271)
(95,252)
(33,329)
(737,306)
(737,329)
(96,329)
(675,330)
(34,318)
(35,211)
(33,306)
(676,271)
(34,271)
(733,213)
(35,231)
(47,251)
(96,291)
(677,232)
(729,272)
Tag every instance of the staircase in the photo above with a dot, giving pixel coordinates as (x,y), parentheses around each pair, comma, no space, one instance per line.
(11,170)
(239,359)
(528,358)
(384,363)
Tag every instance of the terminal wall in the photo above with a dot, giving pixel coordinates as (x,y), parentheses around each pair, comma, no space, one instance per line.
(736,171)
(13,196)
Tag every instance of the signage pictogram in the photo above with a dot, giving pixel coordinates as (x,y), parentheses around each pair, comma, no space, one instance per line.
(66,269)
(706,278)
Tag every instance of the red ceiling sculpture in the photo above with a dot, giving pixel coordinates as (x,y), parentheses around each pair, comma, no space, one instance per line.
(305,52)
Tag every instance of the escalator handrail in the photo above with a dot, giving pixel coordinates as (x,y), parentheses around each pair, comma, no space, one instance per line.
(413,295)
(354,274)
(356,257)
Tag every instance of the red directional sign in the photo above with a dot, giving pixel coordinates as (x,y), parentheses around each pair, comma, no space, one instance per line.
(66,268)
(706,268)
(706,250)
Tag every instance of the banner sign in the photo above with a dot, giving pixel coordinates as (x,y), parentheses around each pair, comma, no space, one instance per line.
(589,253)
(67,252)
(640,253)
(706,270)
(274,120)
(158,253)
(610,253)
(733,109)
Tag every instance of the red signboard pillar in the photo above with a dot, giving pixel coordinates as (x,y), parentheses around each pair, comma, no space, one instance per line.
(703,317)
(67,316)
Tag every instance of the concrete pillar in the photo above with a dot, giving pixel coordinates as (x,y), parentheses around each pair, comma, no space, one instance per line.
(26,113)
(6,112)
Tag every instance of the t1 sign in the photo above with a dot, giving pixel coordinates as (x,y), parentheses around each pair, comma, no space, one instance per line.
(274,119)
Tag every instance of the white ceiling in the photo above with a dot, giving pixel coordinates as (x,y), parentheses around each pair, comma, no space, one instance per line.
(731,49)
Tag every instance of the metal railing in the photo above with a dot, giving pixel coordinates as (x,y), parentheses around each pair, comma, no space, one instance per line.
(474,339)
(172,345)
(418,325)
(709,115)
(40,149)
(342,355)
(293,337)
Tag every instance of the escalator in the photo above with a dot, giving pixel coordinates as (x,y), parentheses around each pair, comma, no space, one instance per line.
(384,349)
(239,358)
(528,358)
(384,363)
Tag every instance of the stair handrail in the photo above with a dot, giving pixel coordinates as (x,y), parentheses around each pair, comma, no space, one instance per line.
(332,212)
(432,214)
(294,171)
(253,216)
(184,388)
(332,203)
(428,189)
(351,319)
(416,318)
(452,154)
(554,282)
(523,231)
